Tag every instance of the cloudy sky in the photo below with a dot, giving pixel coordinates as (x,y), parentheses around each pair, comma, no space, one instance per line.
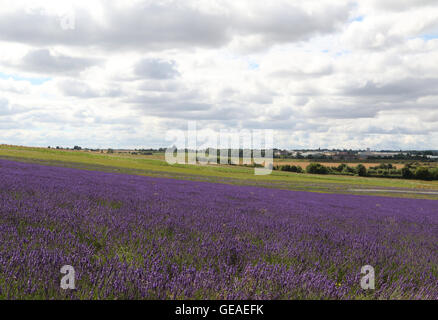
(336,74)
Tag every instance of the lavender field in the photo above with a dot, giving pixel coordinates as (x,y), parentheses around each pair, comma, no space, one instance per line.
(133,237)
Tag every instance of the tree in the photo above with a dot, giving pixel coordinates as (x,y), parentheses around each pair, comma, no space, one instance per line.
(406,172)
(317,168)
(423,173)
(361,170)
(110,151)
(290,168)
(435,174)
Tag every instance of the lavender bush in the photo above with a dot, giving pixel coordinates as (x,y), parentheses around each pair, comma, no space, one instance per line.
(133,237)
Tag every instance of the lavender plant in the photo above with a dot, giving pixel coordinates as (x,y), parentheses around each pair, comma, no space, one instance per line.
(133,237)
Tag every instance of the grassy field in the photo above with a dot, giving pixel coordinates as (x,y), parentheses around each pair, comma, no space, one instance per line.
(142,165)
(303,163)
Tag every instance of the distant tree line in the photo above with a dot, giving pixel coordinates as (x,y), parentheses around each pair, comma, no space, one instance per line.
(384,170)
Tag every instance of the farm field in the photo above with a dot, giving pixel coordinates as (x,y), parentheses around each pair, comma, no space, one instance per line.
(140,165)
(137,237)
(297,162)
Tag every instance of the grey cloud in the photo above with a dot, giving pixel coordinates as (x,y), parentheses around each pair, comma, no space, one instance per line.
(75,88)
(145,25)
(357,107)
(172,24)
(342,110)
(409,88)
(118,121)
(289,23)
(156,69)
(159,86)
(8,124)
(260,99)
(287,125)
(162,26)
(398,130)
(42,61)
(261,95)
(164,108)
(187,106)
(399,5)
(193,105)
(163,98)
(6,109)
(4,104)
(106,119)
(301,100)
(277,125)
(166,105)
(429,117)
(42,116)
(211,114)
(170,104)
(323,71)
(306,126)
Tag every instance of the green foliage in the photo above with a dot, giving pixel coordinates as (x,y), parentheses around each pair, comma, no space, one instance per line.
(384,166)
(361,170)
(385,170)
(434,173)
(423,173)
(317,168)
(407,173)
(410,171)
(292,168)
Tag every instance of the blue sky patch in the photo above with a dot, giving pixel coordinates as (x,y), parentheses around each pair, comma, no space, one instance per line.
(253,65)
(358,18)
(429,36)
(34,81)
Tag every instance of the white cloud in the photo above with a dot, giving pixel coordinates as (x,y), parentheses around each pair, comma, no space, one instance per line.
(351,74)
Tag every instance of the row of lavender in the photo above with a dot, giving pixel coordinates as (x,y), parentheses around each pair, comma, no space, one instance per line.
(132,237)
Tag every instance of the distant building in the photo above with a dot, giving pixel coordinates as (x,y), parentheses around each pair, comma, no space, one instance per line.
(376,154)
(344,155)
(280,153)
(366,154)
(312,153)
